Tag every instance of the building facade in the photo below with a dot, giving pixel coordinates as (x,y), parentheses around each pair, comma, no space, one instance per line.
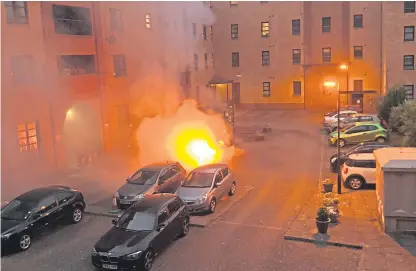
(281,53)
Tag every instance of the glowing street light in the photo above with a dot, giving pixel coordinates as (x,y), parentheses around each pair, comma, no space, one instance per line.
(330,84)
(343,67)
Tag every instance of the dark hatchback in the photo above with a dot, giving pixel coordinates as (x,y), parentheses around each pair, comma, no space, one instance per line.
(144,230)
(155,178)
(31,213)
(365,147)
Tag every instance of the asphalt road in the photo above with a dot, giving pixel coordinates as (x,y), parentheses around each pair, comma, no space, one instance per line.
(284,171)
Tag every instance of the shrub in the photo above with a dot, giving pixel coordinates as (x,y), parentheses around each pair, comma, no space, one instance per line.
(322,214)
(408,128)
(395,120)
(394,97)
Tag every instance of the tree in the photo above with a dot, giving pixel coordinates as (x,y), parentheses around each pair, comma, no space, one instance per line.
(394,97)
(408,129)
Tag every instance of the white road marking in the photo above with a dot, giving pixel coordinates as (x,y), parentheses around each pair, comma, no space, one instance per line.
(250,225)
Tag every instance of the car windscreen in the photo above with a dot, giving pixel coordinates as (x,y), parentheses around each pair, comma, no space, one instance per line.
(198,179)
(137,221)
(346,128)
(144,176)
(18,210)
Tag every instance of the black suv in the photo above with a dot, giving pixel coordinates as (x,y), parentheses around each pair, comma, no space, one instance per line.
(30,213)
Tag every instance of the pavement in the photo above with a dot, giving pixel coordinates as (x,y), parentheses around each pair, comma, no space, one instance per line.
(284,173)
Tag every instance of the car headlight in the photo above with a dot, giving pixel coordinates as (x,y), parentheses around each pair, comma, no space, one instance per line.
(94,252)
(6,236)
(116,195)
(202,198)
(139,196)
(133,256)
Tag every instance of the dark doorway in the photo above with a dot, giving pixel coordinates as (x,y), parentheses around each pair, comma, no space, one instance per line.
(236,93)
(357,99)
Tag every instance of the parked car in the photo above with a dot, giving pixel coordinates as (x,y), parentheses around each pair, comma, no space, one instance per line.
(154,178)
(358,170)
(205,186)
(356,118)
(29,214)
(359,132)
(332,118)
(144,230)
(364,147)
(356,108)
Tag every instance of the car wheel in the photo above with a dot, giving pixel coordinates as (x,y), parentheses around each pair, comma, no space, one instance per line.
(380,139)
(342,143)
(185,227)
(232,189)
(212,206)
(148,258)
(77,215)
(355,182)
(25,241)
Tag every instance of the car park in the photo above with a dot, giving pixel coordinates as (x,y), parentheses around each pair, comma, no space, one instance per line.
(359,170)
(359,132)
(356,118)
(364,147)
(163,177)
(205,186)
(332,118)
(144,229)
(28,215)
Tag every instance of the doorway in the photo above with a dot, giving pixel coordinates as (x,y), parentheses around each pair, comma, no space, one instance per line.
(236,93)
(357,99)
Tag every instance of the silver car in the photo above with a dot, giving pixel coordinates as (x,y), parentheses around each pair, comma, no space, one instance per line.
(356,118)
(205,186)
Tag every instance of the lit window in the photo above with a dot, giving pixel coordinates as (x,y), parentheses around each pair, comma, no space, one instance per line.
(409,33)
(409,62)
(358,21)
(326,55)
(265,29)
(234,31)
(265,58)
(70,20)
(358,52)
(204,31)
(119,62)
(410,91)
(116,23)
(195,62)
(148,21)
(16,12)
(266,89)
(206,60)
(409,6)
(326,24)
(296,27)
(22,68)
(297,88)
(235,59)
(27,136)
(296,54)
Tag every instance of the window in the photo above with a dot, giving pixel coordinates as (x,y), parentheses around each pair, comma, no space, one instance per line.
(218,177)
(28,137)
(409,6)
(364,163)
(148,21)
(358,21)
(358,52)
(16,12)
(235,59)
(119,65)
(265,29)
(204,31)
(296,53)
(296,27)
(70,20)
(233,3)
(365,118)
(173,207)
(234,31)
(211,32)
(225,172)
(116,22)
(326,55)
(46,205)
(371,127)
(410,91)
(264,2)
(194,30)
(265,58)
(63,197)
(206,60)
(409,33)
(409,62)
(212,59)
(163,216)
(326,24)
(357,129)
(266,89)
(297,88)
(358,85)
(22,68)
(195,62)
(76,64)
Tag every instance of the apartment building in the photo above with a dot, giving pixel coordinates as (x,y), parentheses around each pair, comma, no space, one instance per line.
(74,73)
(280,54)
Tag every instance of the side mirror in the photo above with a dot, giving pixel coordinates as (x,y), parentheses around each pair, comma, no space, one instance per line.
(160,226)
(114,221)
(216,185)
(37,215)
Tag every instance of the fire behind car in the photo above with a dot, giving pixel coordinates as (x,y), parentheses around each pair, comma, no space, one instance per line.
(154,178)
(31,213)
(144,229)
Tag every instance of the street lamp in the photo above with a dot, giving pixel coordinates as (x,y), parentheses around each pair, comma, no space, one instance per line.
(332,84)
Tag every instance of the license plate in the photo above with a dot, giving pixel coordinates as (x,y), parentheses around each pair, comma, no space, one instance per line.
(110,266)
(124,201)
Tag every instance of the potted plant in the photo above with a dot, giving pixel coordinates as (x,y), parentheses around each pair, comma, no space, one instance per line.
(328,185)
(322,220)
(328,202)
(333,214)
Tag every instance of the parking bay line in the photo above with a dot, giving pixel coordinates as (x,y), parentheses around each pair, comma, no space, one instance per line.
(250,225)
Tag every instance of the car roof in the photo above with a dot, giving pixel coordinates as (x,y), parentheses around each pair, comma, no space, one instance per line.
(362,156)
(211,168)
(40,193)
(159,165)
(365,115)
(367,123)
(152,203)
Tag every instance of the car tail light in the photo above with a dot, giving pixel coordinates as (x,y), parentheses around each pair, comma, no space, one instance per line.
(345,170)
